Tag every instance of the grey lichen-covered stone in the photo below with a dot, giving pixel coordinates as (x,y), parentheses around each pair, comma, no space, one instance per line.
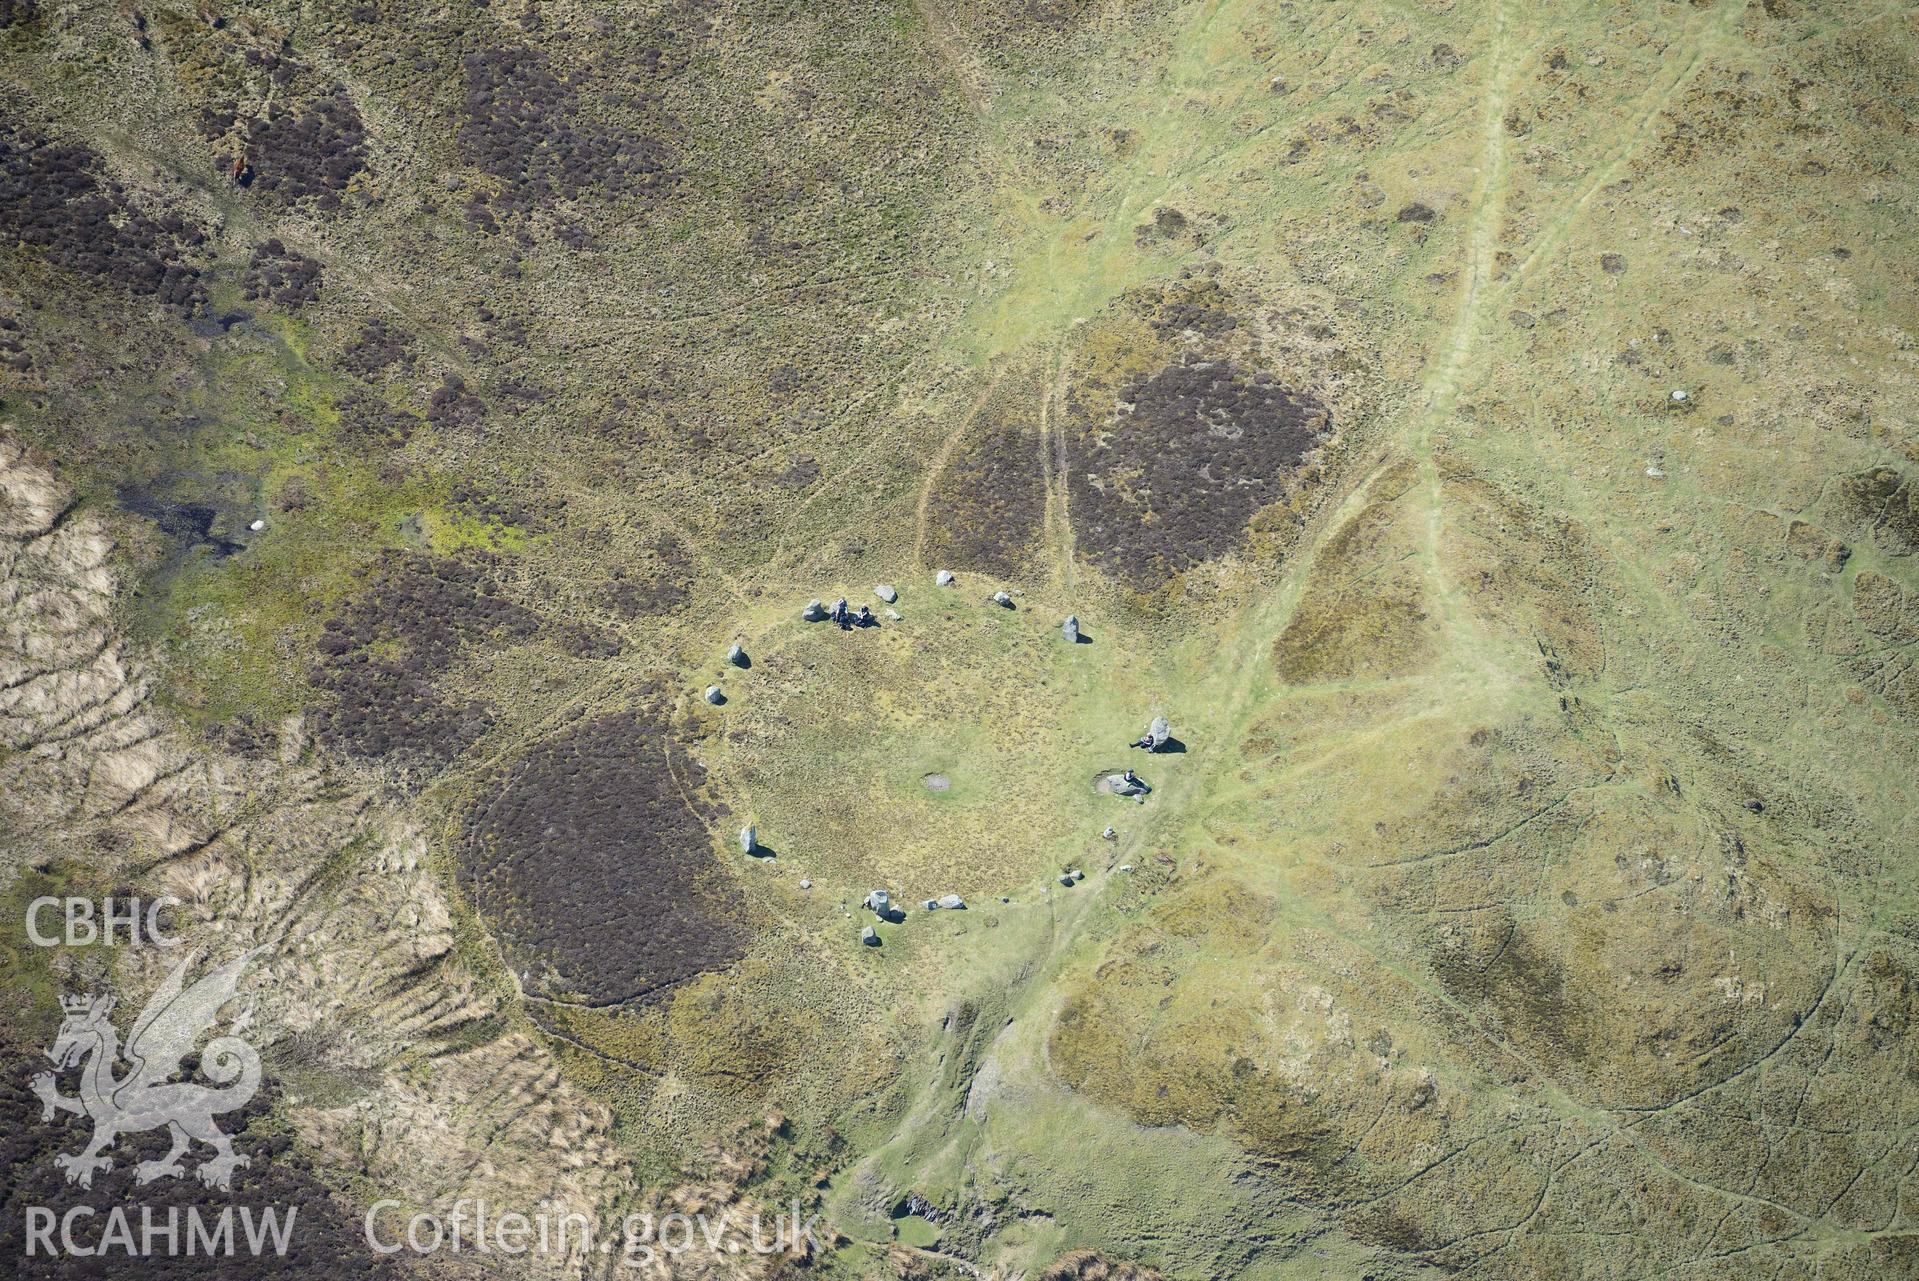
(737,655)
(1070,629)
(879,901)
(715,695)
(952,902)
(887,592)
(749,839)
(870,936)
(943,579)
(1002,600)
(814,612)
(1159,731)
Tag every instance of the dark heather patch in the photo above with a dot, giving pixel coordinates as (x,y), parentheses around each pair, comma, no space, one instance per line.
(368,422)
(380,655)
(378,348)
(990,502)
(55,199)
(277,274)
(307,152)
(590,859)
(497,505)
(1536,1001)
(452,405)
(326,1242)
(526,125)
(1885,503)
(1194,451)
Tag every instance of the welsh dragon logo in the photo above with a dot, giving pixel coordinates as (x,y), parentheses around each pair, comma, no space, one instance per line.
(147,1097)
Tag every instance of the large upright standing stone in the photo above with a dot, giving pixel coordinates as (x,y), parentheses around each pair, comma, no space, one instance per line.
(887,593)
(749,839)
(1070,629)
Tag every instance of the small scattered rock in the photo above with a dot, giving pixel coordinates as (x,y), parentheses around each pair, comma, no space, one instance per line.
(737,655)
(1109,835)
(805,884)
(894,615)
(943,579)
(257,526)
(1680,395)
(1124,867)
(1073,877)
(952,902)
(714,695)
(887,593)
(1654,472)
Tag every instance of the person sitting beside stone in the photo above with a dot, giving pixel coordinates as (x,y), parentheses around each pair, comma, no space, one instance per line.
(866,618)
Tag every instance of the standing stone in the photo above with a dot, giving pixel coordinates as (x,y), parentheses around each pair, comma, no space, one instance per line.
(1002,600)
(1159,731)
(1070,629)
(887,592)
(737,655)
(952,902)
(870,936)
(714,696)
(749,839)
(880,902)
(814,612)
(943,579)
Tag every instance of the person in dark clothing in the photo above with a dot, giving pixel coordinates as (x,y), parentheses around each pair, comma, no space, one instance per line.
(1145,741)
(865,619)
(840,615)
